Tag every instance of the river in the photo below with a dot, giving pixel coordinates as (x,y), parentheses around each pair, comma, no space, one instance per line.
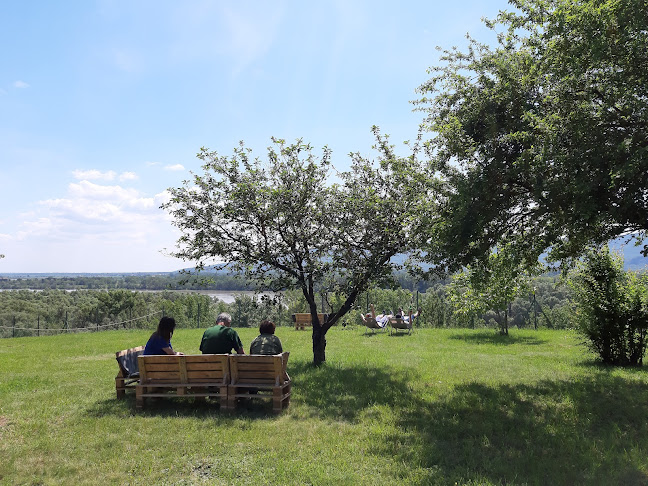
(227,296)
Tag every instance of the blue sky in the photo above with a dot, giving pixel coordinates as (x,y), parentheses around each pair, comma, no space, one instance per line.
(104,104)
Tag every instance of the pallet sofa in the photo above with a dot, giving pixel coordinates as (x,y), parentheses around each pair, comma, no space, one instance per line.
(224,376)
(128,376)
(259,377)
(201,375)
(302,320)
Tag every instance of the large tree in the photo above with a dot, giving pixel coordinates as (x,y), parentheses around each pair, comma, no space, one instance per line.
(285,223)
(543,138)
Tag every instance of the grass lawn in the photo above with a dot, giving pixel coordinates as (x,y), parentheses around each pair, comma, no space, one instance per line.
(437,407)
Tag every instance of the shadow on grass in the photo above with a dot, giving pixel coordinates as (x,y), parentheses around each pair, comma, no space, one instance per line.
(343,393)
(179,407)
(599,366)
(494,337)
(589,432)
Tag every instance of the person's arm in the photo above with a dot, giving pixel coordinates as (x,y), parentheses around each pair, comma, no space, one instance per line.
(373,312)
(238,344)
(169,350)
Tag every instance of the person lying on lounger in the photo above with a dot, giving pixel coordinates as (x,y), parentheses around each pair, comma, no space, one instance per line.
(381,319)
(406,317)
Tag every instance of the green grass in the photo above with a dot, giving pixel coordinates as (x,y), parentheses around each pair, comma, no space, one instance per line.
(437,407)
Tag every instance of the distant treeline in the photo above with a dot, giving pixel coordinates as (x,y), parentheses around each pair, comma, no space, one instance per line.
(170,281)
(29,313)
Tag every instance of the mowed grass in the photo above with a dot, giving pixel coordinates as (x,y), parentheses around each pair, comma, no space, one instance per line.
(437,407)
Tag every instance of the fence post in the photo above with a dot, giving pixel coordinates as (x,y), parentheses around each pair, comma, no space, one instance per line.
(198,324)
(38,328)
(97,318)
(14,327)
(66,320)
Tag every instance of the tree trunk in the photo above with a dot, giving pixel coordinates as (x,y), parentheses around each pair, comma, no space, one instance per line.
(319,345)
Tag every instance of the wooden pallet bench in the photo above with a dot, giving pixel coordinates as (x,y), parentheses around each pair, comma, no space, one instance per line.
(202,375)
(259,377)
(302,320)
(128,376)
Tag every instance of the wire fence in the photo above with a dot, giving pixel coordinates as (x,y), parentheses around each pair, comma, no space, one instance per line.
(17,331)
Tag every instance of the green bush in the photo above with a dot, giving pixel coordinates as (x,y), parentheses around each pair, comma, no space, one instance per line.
(612,308)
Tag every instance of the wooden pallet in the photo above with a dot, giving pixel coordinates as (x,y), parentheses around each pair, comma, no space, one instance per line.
(260,377)
(302,320)
(128,376)
(202,375)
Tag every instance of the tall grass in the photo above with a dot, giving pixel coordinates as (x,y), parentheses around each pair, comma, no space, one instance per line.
(436,407)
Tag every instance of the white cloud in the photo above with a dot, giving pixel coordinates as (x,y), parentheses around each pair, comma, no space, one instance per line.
(128,176)
(174,167)
(152,164)
(20,84)
(93,175)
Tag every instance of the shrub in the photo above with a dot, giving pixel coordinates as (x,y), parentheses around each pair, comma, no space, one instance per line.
(611,308)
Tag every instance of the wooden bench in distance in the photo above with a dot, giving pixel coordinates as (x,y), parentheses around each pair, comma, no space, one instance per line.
(265,376)
(302,320)
(201,375)
(128,375)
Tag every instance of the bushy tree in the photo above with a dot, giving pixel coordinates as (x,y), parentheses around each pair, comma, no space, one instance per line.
(286,224)
(543,138)
(492,285)
(612,308)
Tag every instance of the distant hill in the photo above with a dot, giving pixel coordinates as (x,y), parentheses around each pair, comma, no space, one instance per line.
(633,260)
(632,257)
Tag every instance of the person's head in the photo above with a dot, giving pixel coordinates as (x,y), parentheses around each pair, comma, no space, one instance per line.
(165,328)
(224,319)
(267,327)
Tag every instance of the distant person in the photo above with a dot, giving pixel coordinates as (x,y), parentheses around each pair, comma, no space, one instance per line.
(160,340)
(266,342)
(381,319)
(221,338)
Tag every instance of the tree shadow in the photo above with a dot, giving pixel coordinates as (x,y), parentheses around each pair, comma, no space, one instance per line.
(492,337)
(556,432)
(344,392)
(599,366)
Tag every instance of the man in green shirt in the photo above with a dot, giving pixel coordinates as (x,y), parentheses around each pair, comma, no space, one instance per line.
(221,338)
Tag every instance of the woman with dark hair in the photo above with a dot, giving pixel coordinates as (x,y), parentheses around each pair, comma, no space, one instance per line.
(266,342)
(160,340)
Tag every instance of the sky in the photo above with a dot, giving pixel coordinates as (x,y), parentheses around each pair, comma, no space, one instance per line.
(104,105)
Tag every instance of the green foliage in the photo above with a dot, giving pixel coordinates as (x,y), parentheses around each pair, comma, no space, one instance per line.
(284,224)
(612,308)
(542,139)
(491,285)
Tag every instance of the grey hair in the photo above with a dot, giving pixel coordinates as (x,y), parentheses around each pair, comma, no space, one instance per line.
(223,317)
